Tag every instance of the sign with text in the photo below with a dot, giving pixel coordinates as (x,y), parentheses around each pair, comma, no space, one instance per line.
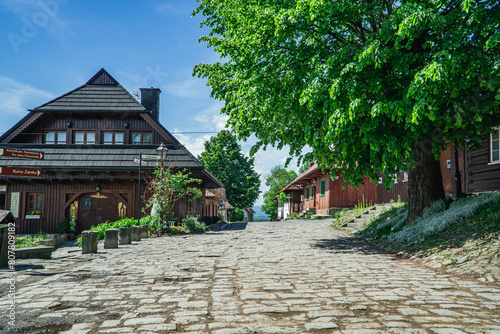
(18,171)
(14,203)
(150,156)
(22,154)
(143,163)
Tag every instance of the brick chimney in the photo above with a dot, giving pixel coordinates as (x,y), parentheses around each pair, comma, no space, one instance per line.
(150,99)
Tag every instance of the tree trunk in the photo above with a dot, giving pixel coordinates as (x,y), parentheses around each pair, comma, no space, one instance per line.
(425,183)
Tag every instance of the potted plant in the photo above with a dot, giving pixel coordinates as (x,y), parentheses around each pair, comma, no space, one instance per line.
(33,214)
(72,230)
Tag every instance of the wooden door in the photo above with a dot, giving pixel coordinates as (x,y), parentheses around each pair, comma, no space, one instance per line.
(93,210)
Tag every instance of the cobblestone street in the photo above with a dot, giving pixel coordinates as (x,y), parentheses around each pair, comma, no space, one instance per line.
(267,278)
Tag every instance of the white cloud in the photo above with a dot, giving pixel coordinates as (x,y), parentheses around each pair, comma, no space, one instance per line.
(16,97)
(194,144)
(220,121)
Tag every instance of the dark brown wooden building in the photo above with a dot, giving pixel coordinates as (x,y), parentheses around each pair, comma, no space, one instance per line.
(479,168)
(90,137)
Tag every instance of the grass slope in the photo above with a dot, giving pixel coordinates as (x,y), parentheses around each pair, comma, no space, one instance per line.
(451,232)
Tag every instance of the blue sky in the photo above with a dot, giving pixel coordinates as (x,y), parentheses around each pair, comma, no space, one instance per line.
(49,47)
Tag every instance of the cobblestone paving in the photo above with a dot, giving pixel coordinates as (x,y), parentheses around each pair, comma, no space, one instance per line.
(269,278)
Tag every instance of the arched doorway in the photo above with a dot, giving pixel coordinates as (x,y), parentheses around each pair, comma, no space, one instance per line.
(94,209)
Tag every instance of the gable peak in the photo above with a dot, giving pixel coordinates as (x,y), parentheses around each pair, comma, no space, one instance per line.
(102,78)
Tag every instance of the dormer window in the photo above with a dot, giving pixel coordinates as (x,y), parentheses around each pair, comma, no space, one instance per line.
(55,137)
(112,138)
(141,138)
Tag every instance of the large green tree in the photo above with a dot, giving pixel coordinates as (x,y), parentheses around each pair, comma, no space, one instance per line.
(278,178)
(223,157)
(370,86)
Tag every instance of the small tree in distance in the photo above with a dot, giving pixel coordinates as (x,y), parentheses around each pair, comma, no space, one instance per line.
(276,180)
(165,188)
(223,157)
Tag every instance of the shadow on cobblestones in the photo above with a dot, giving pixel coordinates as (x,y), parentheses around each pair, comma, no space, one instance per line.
(347,245)
(22,267)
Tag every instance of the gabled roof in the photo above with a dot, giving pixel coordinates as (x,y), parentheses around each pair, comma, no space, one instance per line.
(313,171)
(102,93)
(107,158)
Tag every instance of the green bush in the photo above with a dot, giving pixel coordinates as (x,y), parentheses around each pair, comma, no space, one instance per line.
(175,230)
(309,215)
(295,215)
(237,215)
(64,226)
(193,226)
(152,222)
(101,228)
(30,240)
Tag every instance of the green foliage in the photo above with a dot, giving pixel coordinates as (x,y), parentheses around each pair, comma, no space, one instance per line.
(309,215)
(152,221)
(364,84)
(64,226)
(223,157)
(482,209)
(294,216)
(347,214)
(175,230)
(193,226)
(30,240)
(480,226)
(282,198)
(276,180)
(101,228)
(167,187)
(237,215)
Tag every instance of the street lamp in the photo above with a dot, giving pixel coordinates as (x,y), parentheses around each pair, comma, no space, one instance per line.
(162,153)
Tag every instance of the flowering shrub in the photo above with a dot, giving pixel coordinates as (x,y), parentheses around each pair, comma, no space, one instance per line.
(33,213)
(434,219)
(30,240)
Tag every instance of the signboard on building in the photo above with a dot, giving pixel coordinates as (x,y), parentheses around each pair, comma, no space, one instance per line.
(21,154)
(18,171)
(14,204)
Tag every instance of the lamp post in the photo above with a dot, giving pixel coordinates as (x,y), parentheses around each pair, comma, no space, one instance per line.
(162,153)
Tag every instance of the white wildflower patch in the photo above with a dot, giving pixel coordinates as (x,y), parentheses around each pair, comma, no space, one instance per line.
(436,218)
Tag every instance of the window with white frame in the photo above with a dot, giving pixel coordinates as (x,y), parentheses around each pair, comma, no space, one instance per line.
(495,145)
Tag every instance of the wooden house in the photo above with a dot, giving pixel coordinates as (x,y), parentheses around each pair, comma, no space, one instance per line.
(91,139)
(217,206)
(248,214)
(322,192)
(478,169)
(462,170)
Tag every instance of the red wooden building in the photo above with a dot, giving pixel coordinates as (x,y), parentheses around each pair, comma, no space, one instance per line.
(90,137)
(478,171)
(321,191)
